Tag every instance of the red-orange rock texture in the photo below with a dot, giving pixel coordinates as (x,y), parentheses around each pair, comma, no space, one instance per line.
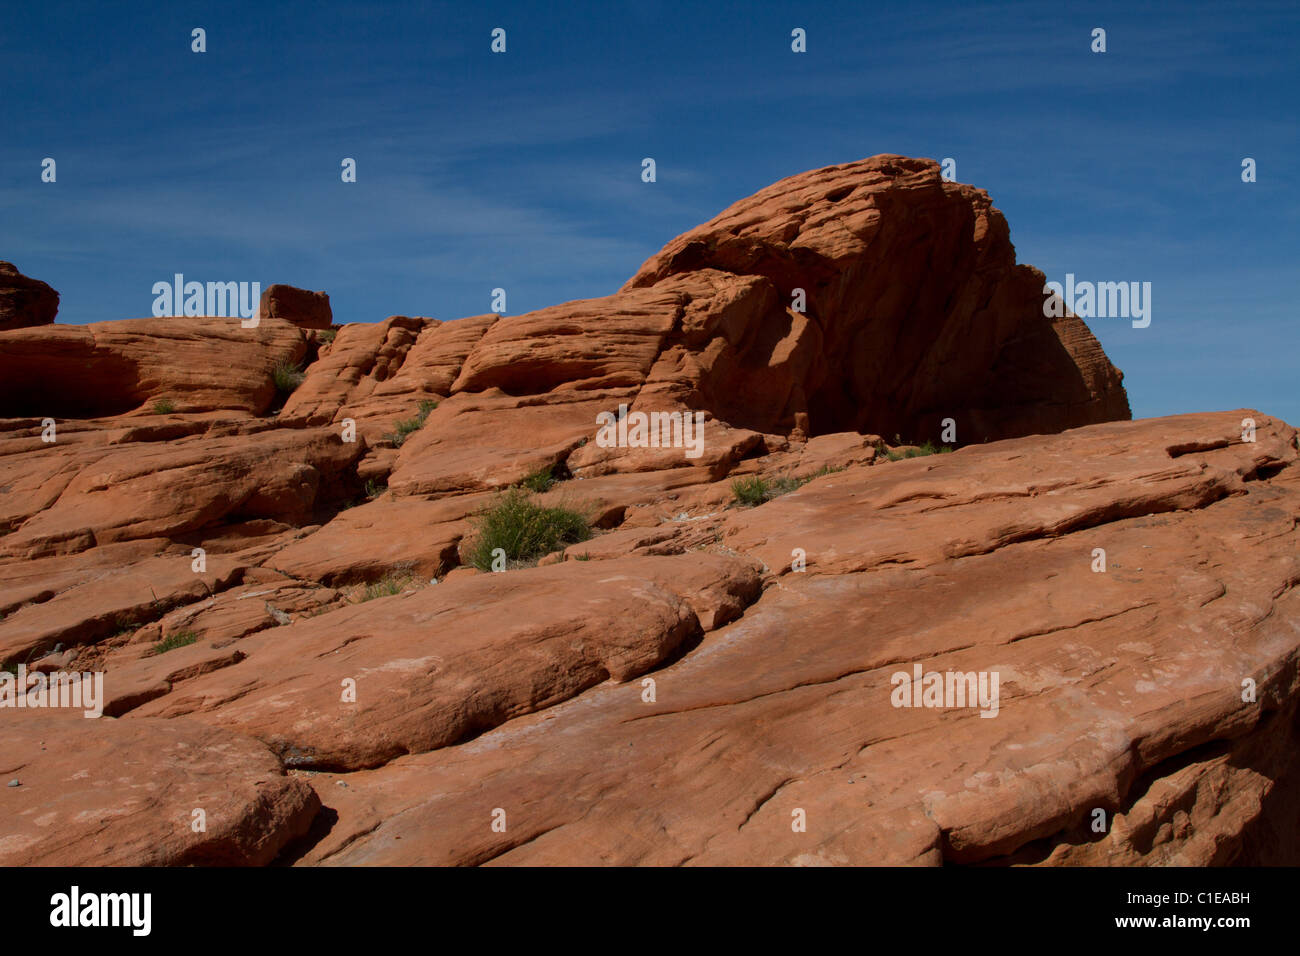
(699,674)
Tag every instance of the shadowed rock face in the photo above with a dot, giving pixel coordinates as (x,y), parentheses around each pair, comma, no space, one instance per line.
(915,311)
(23,301)
(207,542)
(307,310)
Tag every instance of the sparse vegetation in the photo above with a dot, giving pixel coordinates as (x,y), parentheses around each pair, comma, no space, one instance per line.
(164,406)
(928,448)
(524,530)
(373,488)
(750,490)
(387,586)
(326,336)
(406,426)
(753,490)
(402,429)
(179,639)
(287,376)
(124,624)
(540,480)
(823,470)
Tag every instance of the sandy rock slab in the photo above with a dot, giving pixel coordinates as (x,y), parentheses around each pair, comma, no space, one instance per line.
(176,488)
(1156,692)
(84,598)
(360,543)
(105,792)
(198,363)
(922,511)
(357,687)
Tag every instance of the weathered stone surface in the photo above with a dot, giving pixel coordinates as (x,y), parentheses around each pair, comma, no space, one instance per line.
(24,301)
(88,597)
(360,358)
(434,667)
(112,368)
(915,311)
(484,440)
(360,543)
(170,489)
(1108,681)
(1010,491)
(105,792)
(381,378)
(595,343)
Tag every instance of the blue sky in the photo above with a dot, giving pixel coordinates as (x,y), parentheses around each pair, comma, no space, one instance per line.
(522,170)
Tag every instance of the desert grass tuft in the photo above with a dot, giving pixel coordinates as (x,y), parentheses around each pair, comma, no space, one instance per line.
(523,530)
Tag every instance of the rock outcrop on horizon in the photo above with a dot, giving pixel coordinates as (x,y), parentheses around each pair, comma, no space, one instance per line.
(24,302)
(307,310)
(259,537)
(915,311)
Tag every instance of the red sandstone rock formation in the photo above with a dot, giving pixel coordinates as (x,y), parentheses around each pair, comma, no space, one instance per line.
(24,302)
(305,309)
(177,505)
(915,311)
(110,369)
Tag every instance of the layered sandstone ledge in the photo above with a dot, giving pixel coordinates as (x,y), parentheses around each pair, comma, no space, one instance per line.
(185,495)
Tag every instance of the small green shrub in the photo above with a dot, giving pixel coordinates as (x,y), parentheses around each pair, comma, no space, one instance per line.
(402,429)
(928,448)
(755,490)
(523,529)
(326,336)
(540,480)
(164,406)
(751,490)
(179,639)
(823,470)
(387,586)
(374,489)
(287,376)
(406,426)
